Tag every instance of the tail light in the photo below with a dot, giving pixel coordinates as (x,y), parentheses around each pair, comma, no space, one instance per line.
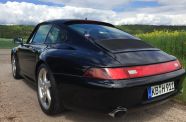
(132,72)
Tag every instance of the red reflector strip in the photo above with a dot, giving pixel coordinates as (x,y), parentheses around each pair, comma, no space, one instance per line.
(132,72)
(155,69)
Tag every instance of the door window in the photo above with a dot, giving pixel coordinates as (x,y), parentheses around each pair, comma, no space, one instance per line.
(56,35)
(41,34)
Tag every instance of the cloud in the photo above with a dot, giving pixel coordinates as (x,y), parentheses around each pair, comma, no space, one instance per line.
(110,4)
(98,4)
(154,19)
(163,2)
(172,2)
(29,13)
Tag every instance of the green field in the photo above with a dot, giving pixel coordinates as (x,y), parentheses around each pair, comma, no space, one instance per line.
(171,39)
(6,43)
(13,31)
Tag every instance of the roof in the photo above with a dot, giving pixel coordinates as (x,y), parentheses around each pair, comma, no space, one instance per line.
(76,21)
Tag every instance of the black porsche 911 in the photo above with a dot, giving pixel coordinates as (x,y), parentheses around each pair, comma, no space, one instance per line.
(85,64)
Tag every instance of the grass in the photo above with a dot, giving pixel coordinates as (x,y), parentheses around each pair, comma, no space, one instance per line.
(182,96)
(6,43)
(171,42)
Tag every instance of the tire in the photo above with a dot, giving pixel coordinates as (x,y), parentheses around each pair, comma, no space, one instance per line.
(47,92)
(15,67)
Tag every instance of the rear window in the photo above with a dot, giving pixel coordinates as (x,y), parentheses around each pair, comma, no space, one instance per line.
(100,32)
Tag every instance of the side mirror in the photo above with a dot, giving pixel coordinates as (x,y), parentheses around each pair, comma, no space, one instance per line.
(18,40)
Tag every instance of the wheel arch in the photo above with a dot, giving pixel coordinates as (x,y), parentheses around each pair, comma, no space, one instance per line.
(37,66)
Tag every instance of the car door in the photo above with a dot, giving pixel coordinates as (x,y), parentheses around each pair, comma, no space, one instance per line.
(29,52)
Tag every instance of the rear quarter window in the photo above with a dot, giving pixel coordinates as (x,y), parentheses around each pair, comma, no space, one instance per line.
(41,34)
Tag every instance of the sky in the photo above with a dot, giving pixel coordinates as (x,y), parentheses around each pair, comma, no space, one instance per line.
(148,12)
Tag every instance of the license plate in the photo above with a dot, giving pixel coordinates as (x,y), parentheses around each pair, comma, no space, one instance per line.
(157,90)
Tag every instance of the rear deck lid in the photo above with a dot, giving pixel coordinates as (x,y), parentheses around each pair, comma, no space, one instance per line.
(124,45)
(133,52)
(144,57)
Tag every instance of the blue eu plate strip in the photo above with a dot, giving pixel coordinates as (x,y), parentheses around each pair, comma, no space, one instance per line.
(149,90)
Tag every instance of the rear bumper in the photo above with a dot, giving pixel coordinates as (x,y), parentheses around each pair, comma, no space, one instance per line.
(81,93)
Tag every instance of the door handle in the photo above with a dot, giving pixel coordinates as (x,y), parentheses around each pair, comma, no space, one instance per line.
(32,49)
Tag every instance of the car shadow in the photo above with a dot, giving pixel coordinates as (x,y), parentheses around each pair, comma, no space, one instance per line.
(139,114)
(30,84)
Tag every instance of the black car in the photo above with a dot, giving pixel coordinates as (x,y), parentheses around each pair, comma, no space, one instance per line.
(85,64)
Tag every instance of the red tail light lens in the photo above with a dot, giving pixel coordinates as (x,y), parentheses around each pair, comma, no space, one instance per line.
(132,72)
(107,73)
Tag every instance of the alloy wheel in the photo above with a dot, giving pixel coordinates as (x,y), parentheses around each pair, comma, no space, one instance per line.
(44,86)
(14,66)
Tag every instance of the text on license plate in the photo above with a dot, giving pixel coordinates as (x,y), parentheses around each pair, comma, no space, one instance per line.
(157,90)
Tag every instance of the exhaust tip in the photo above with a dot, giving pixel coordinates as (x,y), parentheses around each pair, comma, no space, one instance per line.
(118,112)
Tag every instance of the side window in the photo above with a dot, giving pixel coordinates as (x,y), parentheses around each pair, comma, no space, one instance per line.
(56,35)
(41,34)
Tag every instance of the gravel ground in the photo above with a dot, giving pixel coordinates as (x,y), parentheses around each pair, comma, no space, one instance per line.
(18,103)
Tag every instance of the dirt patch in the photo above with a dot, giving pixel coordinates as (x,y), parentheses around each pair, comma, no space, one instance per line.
(18,103)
